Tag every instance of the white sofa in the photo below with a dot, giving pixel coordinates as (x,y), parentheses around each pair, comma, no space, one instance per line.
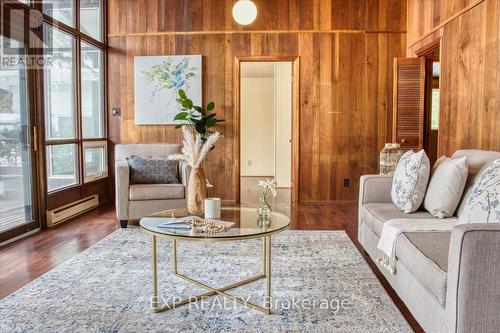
(450,281)
(134,201)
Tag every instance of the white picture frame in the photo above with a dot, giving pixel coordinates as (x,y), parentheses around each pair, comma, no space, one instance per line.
(157,80)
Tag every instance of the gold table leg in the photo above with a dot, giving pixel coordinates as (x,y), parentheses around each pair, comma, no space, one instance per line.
(154,300)
(174,246)
(266,258)
(267,299)
(264,254)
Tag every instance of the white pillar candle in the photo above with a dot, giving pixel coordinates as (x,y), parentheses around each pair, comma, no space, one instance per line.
(212,208)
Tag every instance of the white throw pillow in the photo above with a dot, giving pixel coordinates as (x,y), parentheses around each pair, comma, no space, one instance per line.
(482,205)
(410,181)
(438,162)
(446,186)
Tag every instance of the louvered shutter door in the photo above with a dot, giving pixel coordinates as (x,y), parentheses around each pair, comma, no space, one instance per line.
(408,102)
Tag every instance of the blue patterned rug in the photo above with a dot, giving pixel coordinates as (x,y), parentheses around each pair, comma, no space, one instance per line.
(320,283)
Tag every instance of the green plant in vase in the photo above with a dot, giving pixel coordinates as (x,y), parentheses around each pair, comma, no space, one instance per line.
(199,140)
(198,117)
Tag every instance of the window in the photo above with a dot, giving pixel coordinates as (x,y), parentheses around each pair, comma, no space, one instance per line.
(76,146)
(16,205)
(96,165)
(435,109)
(436,71)
(60,78)
(90,18)
(61,103)
(61,10)
(61,166)
(92,99)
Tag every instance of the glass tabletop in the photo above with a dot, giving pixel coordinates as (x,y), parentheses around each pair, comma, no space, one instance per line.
(245,219)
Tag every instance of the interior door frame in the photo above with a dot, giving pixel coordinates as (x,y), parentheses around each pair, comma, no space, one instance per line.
(295,60)
(427,52)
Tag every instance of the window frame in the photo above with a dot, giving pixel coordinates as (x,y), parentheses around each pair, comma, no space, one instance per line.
(47,120)
(49,165)
(105,172)
(102,88)
(79,37)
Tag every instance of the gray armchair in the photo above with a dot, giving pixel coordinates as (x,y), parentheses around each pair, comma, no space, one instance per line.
(134,201)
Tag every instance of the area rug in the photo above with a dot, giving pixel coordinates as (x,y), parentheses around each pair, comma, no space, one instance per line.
(320,283)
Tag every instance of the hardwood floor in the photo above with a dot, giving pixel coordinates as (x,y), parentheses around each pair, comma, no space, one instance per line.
(250,194)
(25,260)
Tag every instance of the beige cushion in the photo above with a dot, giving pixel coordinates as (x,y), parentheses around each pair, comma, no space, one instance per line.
(149,150)
(446,186)
(156,191)
(410,181)
(375,214)
(425,255)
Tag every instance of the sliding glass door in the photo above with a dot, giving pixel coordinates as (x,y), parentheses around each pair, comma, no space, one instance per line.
(17,213)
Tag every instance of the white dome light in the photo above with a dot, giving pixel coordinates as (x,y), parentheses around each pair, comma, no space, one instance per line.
(244,12)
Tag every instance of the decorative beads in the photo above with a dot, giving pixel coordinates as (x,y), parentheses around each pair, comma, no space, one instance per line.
(209,226)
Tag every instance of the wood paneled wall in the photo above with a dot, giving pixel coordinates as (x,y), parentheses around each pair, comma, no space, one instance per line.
(470,67)
(345,47)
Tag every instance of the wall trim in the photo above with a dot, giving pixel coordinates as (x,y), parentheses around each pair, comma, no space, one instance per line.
(246,32)
(228,203)
(446,22)
(429,47)
(326,202)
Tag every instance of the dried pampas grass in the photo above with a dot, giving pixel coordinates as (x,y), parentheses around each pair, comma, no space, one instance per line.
(194,151)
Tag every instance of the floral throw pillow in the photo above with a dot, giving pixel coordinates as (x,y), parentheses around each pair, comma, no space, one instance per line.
(410,181)
(482,204)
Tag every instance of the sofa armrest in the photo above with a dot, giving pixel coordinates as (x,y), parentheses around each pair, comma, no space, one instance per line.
(122,184)
(375,188)
(473,286)
(184,173)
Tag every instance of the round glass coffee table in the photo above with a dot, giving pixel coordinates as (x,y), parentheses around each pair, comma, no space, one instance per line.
(247,226)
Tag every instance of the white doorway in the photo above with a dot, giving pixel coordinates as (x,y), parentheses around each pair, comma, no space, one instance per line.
(266,129)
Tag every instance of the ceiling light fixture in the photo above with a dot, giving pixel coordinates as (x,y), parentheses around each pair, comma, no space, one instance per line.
(244,12)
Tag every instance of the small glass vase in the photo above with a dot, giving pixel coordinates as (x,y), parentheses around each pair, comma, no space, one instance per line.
(264,209)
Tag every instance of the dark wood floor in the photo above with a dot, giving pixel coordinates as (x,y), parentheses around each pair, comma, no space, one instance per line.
(25,260)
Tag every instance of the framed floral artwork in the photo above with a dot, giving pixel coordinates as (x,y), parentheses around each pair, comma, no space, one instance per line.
(157,83)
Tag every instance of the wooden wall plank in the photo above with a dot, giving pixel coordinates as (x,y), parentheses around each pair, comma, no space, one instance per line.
(140,16)
(345,78)
(470,53)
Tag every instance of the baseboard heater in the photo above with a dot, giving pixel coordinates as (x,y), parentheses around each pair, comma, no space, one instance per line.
(73,209)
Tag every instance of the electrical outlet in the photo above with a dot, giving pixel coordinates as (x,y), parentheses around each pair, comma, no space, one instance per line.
(249,162)
(117,112)
(346,182)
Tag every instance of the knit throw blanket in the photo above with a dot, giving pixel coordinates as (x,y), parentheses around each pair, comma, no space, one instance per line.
(393,228)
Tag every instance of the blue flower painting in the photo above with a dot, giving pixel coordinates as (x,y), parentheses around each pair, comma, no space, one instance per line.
(157,83)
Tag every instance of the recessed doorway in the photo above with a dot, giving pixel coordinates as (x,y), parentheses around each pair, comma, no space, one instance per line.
(266,142)
(431,109)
